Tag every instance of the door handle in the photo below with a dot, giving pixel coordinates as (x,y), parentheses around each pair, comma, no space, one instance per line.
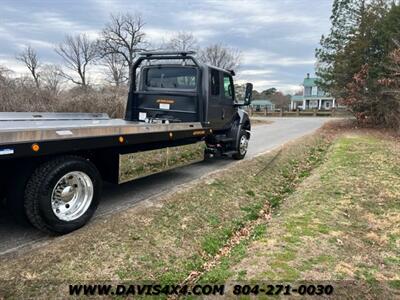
(223,114)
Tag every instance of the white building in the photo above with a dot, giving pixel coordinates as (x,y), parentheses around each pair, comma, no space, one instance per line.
(313,97)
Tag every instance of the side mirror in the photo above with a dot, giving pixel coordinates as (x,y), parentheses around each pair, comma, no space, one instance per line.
(248,94)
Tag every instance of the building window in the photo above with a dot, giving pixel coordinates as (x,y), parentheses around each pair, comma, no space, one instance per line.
(314,91)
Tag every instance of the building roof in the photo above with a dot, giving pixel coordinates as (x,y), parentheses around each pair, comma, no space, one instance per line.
(310,82)
(261,102)
(297,98)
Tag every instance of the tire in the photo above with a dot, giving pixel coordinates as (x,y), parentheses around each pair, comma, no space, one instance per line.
(242,145)
(62,194)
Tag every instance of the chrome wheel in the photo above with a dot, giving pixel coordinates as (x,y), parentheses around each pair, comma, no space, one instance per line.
(243,144)
(72,196)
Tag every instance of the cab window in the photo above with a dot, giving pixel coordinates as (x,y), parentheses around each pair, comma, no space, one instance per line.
(228,86)
(171,78)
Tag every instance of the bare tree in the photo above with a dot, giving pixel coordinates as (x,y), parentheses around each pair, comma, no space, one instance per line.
(4,72)
(30,58)
(183,41)
(52,78)
(280,100)
(78,52)
(124,36)
(116,69)
(298,92)
(220,56)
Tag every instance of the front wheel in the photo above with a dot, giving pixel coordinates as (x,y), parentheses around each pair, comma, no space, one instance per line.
(242,145)
(62,194)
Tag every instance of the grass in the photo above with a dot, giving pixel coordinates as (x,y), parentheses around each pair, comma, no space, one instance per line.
(341,223)
(144,163)
(168,239)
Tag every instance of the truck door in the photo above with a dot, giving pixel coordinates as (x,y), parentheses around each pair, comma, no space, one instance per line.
(215,101)
(228,98)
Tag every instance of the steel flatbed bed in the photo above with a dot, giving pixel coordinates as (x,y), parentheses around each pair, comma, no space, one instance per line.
(54,132)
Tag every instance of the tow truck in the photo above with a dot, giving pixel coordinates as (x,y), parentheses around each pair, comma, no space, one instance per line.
(53,164)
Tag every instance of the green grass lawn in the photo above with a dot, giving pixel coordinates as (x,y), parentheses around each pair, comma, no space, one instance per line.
(341,223)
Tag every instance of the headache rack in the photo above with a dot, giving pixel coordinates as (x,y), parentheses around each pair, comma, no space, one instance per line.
(132,111)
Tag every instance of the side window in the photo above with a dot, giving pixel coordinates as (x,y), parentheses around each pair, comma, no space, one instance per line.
(228,87)
(214,82)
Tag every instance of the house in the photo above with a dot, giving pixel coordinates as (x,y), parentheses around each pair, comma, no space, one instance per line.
(313,97)
(261,104)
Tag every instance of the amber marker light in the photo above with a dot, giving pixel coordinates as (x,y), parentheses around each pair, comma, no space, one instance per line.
(35,147)
(121,139)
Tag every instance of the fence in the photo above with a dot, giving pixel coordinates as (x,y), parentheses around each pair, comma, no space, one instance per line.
(300,113)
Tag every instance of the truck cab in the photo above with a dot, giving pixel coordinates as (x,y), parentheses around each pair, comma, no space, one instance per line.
(189,91)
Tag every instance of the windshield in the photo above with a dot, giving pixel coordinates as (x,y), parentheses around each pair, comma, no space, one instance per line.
(171,78)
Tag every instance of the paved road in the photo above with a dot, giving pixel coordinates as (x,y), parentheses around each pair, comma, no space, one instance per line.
(264,137)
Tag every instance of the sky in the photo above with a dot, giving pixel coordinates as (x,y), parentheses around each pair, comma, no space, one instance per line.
(277,38)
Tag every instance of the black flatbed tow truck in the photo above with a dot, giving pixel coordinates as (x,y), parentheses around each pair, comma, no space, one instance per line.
(53,164)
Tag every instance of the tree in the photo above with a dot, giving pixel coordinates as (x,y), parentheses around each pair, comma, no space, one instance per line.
(123,37)
(52,78)
(390,89)
(4,73)
(269,92)
(388,31)
(298,92)
(116,72)
(183,41)
(349,44)
(78,52)
(220,56)
(352,58)
(280,100)
(30,58)
(266,94)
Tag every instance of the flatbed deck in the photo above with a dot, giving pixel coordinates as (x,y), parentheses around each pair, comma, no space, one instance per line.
(24,129)
(56,133)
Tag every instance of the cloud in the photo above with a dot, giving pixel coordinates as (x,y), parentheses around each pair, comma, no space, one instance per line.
(252,72)
(38,43)
(277,38)
(209,19)
(261,85)
(14,65)
(266,58)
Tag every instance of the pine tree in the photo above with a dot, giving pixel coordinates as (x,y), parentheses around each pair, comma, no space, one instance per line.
(388,32)
(348,47)
(334,44)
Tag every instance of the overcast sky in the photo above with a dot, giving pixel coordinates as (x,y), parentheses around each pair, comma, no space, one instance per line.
(277,38)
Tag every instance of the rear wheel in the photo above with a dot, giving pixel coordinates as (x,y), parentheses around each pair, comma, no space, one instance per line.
(242,145)
(62,194)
